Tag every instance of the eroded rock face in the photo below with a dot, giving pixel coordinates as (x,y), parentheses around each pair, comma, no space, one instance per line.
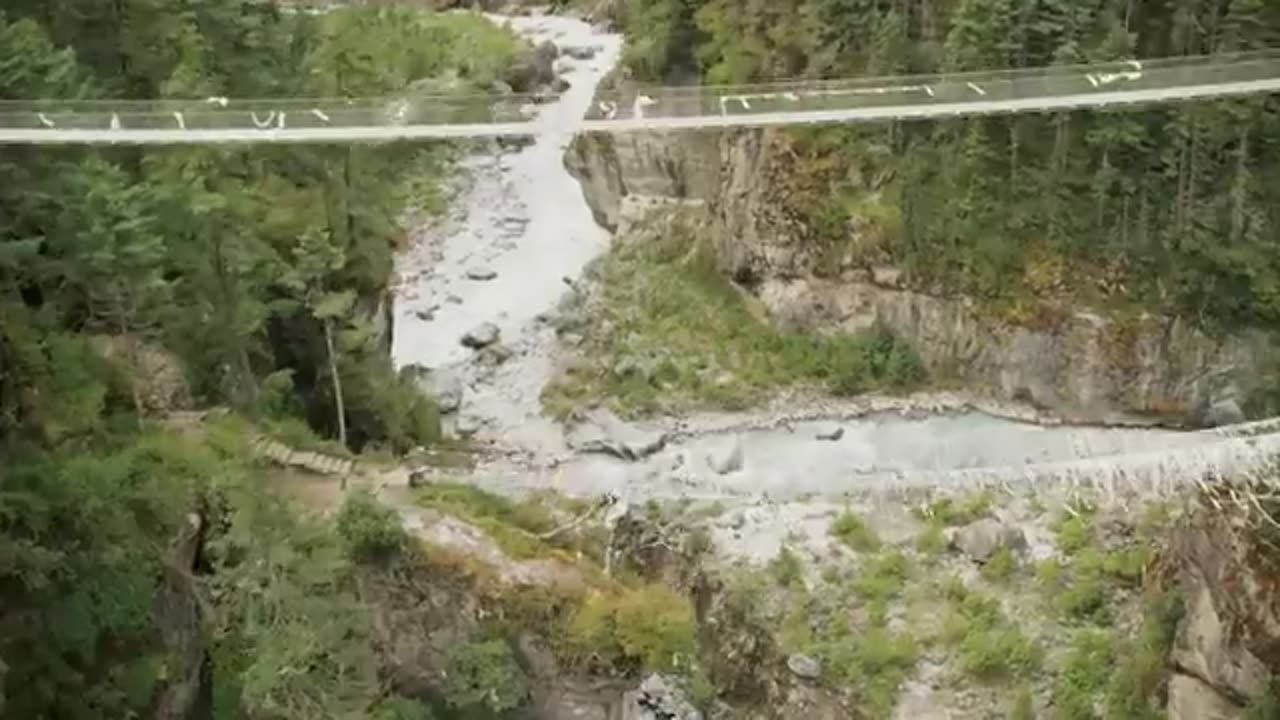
(1228,642)
(658,698)
(1083,366)
(676,165)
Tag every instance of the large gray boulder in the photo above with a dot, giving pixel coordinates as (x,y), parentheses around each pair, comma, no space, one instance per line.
(982,539)
(602,432)
(444,388)
(804,666)
(533,66)
(481,336)
(658,698)
(729,459)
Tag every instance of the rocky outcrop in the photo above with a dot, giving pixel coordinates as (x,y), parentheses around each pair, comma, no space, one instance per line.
(1084,367)
(1228,642)
(1077,364)
(611,167)
(155,375)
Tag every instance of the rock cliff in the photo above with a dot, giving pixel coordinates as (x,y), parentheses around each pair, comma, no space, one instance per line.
(1078,363)
(1228,643)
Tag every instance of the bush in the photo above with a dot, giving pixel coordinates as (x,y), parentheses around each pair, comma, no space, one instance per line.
(931,540)
(853,531)
(874,663)
(1000,565)
(882,578)
(1083,675)
(485,674)
(370,531)
(950,512)
(989,646)
(785,568)
(651,627)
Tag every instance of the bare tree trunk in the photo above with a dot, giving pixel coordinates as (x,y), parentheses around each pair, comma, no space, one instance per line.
(338,401)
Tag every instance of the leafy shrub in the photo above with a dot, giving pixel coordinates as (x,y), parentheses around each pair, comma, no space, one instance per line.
(785,568)
(882,578)
(931,540)
(370,531)
(874,662)
(949,511)
(485,674)
(1134,689)
(1022,707)
(1000,565)
(853,531)
(650,627)
(1083,675)
(989,646)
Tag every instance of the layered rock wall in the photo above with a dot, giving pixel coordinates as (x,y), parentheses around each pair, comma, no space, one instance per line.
(1080,364)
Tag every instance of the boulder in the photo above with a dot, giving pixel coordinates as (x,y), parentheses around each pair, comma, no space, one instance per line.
(658,698)
(444,388)
(730,459)
(804,666)
(602,432)
(481,336)
(1224,412)
(481,273)
(981,540)
(1191,698)
(467,426)
(560,85)
(831,435)
(533,66)
(494,355)
(580,52)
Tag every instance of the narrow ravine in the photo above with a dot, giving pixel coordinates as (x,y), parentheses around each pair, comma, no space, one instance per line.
(521,235)
(521,220)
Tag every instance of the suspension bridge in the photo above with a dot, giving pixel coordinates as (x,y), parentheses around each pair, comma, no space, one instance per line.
(413,117)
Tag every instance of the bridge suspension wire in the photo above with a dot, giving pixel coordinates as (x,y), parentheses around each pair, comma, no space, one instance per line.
(417,116)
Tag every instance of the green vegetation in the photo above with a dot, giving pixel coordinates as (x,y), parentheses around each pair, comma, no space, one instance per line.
(1083,675)
(850,529)
(1165,208)
(671,332)
(950,511)
(650,627)
(485,674)
(518,527)
(786,568)
(988,645)
(1000,566)
(370,530)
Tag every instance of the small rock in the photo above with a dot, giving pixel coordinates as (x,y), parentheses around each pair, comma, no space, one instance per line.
(886,276)
(467,426)
(560,85)
(494,355)
(453,299)
(832,435)
(418,477)
(981,540)
(579,52)
(804,666)
(500,88)
(425,315)
(626,367)
(482,335)
(481,274)
(731,459)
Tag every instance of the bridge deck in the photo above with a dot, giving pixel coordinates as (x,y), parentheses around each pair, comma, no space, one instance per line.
(220,120)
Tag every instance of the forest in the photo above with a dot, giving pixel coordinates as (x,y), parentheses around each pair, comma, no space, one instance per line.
(261,274)
(1170,209)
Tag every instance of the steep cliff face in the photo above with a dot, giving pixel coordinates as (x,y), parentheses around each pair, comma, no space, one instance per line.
(1228,643)
(1082,364)
(611,167)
